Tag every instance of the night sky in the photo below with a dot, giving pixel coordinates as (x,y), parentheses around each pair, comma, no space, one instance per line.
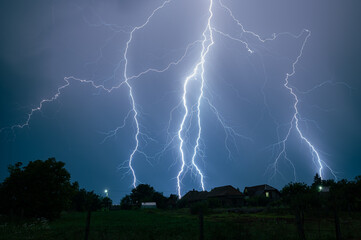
(42,42)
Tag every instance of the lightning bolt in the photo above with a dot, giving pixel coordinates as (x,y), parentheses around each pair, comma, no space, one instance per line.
(294,123)
(199,66)
(126,80)
(192,110)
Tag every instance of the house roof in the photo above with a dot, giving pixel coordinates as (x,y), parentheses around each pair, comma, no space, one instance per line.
(224,191)
(195,196)
(259,188)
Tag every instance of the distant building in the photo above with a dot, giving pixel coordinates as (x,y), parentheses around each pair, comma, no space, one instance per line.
(227,195)
(149,205)
(262,190)
(195,196)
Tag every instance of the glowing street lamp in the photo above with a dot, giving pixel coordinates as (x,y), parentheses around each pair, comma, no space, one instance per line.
(106,192)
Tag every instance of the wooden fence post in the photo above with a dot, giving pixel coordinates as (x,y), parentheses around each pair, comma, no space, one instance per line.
(337,224)
(201,228)
(87,226)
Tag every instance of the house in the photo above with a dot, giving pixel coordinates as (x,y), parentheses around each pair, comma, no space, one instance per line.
(227,195)
(262,190)
(149,205)
(195,196)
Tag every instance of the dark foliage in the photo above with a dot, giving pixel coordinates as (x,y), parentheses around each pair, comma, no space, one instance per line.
(172,201)
(43,189)
(322,198)
(297,196)
(201,207)
(258,201)
(106,203)
(79,199)
(40,189)
(142,193)
(146,193)
(126,203)
(160,200)
(92,201)
(83,200)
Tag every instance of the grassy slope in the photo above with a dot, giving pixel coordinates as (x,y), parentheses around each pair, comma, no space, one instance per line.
(157,224)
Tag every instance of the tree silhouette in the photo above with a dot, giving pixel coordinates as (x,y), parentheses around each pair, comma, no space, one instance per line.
(297,196)
(143,193)
(40,189)
(106,203)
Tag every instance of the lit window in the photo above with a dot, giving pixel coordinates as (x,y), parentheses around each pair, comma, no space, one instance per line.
(267,194)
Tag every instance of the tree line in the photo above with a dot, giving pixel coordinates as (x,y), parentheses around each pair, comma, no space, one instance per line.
(146,193)
(43,189)
(322,198)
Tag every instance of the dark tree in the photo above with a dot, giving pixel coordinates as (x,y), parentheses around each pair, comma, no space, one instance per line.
(317,181)
(143,193)
(357,192)
(106,203)
(40,189)
(341,197)
(297,197)
(79,200)
(336,200)
(83,200)
(160,200)
(92,203)
(172,201)
(126,203)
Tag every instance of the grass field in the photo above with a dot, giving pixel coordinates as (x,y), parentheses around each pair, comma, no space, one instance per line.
(179,224)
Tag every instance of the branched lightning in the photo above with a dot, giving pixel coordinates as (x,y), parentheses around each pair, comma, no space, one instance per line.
(192,111)
(294,123)
(126,82)
(199,66)
(228,130)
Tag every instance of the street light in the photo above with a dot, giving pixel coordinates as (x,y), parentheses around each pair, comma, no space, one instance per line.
(320,188)
(106,192)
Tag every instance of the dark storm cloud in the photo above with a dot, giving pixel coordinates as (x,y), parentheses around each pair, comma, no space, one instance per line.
(44,41)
